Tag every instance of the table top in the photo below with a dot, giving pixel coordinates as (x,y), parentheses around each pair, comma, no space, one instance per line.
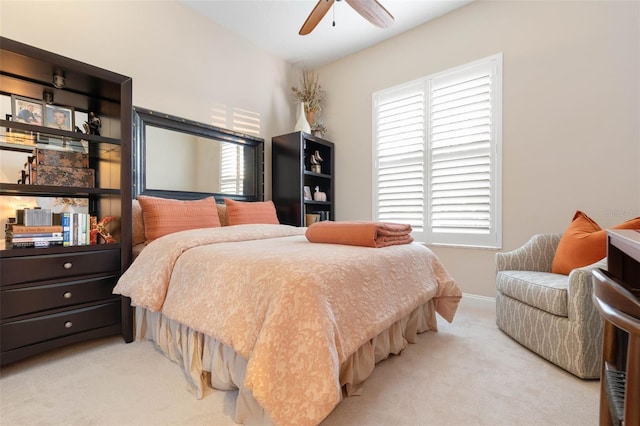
(627,240)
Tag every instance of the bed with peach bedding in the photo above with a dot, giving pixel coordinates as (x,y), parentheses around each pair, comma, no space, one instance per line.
(292,325)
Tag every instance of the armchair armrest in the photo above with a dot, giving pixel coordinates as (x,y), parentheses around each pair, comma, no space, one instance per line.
(535,255)
(580,293)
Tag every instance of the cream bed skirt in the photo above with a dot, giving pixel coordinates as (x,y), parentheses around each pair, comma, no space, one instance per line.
(207,362)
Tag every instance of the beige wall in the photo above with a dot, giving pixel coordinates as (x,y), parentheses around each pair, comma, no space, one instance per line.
(181,63)
(571,134)
(571,138)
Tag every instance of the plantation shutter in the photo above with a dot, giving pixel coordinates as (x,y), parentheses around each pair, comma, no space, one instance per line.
(437,154)
(461,190)
(400,156)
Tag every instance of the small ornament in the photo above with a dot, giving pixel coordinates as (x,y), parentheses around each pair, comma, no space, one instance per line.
(315,161)
(92,126)
(319,196)
(100,228)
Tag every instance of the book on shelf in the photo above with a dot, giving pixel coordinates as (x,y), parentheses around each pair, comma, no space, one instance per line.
(15,236)
(65,228)
(37,239)
(75,229)
(22,229)
(82,229)
(35,217)
(36,244)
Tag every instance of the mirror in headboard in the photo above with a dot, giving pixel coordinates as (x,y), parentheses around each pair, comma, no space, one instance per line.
(178,158)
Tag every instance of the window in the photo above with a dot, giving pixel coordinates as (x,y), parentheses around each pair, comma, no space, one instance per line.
(437,155)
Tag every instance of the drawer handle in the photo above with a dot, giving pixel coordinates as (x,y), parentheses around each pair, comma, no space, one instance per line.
(68,265)
(67,295)
(68,324)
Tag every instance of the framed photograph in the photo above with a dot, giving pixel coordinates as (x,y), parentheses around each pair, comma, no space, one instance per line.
(26,110)
(59,117)
(307,193)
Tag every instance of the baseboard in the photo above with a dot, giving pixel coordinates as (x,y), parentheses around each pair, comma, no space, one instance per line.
(478,300)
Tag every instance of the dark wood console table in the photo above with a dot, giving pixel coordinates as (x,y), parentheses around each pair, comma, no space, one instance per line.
(617,296)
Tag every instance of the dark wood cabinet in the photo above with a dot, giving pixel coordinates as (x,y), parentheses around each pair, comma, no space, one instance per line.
(617,297)
(54,296)
(295,165)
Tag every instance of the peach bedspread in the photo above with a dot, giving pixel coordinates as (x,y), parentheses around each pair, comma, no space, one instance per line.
(293,309)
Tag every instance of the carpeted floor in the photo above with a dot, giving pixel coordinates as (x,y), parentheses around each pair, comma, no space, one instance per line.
(468,373)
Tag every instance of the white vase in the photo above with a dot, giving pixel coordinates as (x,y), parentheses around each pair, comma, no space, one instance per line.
(302,125)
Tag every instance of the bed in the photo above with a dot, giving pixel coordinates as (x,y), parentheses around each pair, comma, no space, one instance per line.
(293,325)
(246,304)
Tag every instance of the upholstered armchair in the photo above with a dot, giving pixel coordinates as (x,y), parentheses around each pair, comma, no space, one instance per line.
(551,314)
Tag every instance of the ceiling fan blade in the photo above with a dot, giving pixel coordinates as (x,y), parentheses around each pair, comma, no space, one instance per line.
(316,15)
(373,12)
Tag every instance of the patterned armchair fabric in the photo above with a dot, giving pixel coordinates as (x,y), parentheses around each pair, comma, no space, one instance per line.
(551,314)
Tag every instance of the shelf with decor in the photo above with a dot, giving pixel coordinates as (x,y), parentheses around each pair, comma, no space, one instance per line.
(65,143)
(302,162)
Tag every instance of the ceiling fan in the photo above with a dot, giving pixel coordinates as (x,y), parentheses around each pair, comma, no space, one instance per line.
(371,10)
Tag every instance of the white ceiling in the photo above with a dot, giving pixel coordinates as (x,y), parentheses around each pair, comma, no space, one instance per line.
(273,25)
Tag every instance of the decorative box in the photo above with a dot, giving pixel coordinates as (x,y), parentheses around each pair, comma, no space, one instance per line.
(63,176)
(49,157)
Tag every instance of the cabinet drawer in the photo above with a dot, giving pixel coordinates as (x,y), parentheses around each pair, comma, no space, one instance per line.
(25,300)
(47,327)
(16,270)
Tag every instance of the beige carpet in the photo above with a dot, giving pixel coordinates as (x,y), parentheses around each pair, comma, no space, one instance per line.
(468,373)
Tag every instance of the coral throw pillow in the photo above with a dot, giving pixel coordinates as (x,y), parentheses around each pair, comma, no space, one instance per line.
(164,216)
(242,213)
(222,214)
(138,223)
(584,243)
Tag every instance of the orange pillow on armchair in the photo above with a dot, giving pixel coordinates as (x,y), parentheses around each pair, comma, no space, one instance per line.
(584,243)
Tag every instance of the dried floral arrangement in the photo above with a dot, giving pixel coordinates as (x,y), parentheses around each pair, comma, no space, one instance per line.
(310,92)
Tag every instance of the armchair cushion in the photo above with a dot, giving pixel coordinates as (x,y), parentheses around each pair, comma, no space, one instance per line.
(542,290)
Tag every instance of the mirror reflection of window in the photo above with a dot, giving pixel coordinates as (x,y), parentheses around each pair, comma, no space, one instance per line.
(231,170)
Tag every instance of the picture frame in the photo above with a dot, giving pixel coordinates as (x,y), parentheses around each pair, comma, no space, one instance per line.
(307,193)
(27,110)
(59,117)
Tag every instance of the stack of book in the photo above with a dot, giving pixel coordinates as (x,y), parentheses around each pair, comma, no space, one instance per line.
(76,229)
(60,229)
(36,236)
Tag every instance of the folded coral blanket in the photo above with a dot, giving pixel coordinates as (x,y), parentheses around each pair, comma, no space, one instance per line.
(366,234)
